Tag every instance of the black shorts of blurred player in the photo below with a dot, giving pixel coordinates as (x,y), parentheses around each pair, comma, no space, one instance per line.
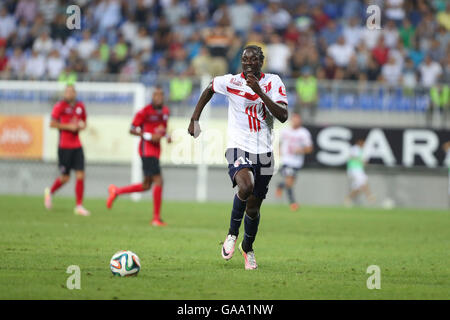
(289,175)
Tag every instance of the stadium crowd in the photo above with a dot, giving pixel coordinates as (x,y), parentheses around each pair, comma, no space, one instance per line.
(317,38)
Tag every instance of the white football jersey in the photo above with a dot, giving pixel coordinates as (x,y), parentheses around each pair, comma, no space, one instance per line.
(292,139)
(250,122)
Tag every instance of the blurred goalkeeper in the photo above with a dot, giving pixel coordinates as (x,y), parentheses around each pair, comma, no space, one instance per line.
(150,123)
(69,117)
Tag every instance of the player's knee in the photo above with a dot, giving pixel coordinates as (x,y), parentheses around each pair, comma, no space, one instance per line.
(146,185)
(246,189)
(64,178)
(252,212)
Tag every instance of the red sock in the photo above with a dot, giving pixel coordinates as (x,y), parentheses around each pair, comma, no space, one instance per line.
(79,190)
(131,188)
(157,198)
(56,185)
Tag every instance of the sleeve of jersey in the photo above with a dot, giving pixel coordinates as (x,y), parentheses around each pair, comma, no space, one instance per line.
(219,84)
(137,121)
(84,115)
(309,141)
(56,112)
(279,91)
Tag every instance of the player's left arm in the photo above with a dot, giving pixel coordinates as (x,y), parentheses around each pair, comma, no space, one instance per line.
(82,123)
(278,109)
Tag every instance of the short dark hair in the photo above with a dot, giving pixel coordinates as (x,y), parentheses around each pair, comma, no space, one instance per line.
(257,50)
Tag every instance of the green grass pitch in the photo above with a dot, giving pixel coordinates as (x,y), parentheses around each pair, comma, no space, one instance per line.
(315,253)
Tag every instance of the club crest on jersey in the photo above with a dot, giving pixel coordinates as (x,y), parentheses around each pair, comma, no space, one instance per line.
(78,110)
(282,91)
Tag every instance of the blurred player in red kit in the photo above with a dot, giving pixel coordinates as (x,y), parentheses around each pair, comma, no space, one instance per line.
(150,123)
(69,117)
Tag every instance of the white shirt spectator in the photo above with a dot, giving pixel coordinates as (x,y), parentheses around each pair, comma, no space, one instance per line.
(43,44)
(278,55)
(35,67)
(352,35)
(429,73)
(7,24)
(55,65)
(341,53)
(129,29)
(18,62)
(48,8)
(394,9)
(86,47)
(277,18)
(108,13)
(142,42)
(391,72)
(390,37)
(174,12)
(241,15)
(370,37)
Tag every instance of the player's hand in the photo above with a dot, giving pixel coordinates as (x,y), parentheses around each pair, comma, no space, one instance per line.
(253,83)
(81,125)
(194,128)
(72,127)
(156,137)
(169,139)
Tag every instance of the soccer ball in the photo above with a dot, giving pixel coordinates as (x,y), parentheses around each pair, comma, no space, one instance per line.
(125,263)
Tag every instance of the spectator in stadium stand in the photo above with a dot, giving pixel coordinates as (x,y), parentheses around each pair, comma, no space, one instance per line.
(320,18)
(129,28)
(390,34)
(352,70)
(180,89)
(174,12)
(426,30)
(7,24)
(430,72)
(415,53)
(302,18)
(276,17)
(121,48)
(68,76)
(86,46)
(307,89)
(201,63)
(54,65)
(35,67)
(440,101)
(373,70)
(409,78)
(331,33)
(278,54)
(27,9)
(341,52)
(141,12)
(443,17)
(21,36)
(58,28)
(391,72)
(329,68)
(162,35)
(95,65)
(352,32)
(218,39)
(3,61)
(394,10)
(107,14)
(241,17)
(380,53)
(142,42)
(17,63)
(44,44)
(407,33)
(437,52)
(48,8)
(362,56)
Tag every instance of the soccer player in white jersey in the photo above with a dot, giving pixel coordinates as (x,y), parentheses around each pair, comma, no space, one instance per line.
(254,100)
(295,143)
(356,174)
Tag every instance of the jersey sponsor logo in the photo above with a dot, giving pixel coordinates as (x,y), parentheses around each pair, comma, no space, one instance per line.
(236,82)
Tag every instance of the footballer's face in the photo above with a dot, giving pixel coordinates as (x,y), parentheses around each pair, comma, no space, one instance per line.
(296,120)
(251,63)
(70,94)
(158,98)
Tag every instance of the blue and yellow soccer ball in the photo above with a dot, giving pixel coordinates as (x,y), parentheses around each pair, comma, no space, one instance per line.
(125,263)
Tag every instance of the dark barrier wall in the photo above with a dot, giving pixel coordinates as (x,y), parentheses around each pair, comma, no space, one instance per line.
(392,147)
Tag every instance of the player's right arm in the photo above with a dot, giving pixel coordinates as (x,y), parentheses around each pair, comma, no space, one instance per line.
(194,127)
